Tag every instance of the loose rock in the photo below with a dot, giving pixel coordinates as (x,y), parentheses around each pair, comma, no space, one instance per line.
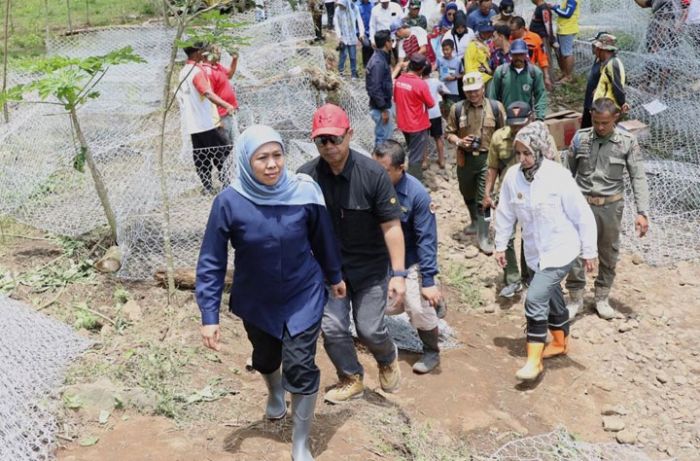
(662,377)
(627,437)
(132,311)
(471,252)
(680,380)
(613,424)
(613,410)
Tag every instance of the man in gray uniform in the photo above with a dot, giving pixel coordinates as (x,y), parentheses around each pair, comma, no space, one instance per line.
(597,158)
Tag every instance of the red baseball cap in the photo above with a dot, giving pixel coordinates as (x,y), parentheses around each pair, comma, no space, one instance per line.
(330,119)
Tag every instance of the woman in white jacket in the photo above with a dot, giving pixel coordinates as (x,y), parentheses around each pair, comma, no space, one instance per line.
(557,226)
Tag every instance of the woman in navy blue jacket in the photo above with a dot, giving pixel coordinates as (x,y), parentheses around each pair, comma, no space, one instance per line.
(285,253)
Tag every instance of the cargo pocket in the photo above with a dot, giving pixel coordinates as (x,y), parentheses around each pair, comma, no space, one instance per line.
(616,168)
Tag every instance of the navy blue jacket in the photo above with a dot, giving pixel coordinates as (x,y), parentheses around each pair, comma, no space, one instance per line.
(278,282)
(419,227)
(378,80)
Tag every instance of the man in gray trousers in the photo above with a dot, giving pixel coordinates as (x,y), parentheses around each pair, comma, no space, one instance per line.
(598,158)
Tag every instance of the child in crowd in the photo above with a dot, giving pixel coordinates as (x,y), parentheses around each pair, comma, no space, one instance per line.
(450,70)
(437,89)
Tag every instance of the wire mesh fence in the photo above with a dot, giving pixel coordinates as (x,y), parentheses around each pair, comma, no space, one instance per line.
(560,445)
(662,63)
(277,84)
(35,352)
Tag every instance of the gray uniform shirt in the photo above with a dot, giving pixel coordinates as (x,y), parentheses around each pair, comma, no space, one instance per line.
(598,165)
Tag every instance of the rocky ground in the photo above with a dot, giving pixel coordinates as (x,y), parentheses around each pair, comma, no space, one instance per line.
(643,364)
(148,390)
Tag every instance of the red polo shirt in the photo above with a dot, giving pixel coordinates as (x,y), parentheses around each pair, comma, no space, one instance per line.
(220,85)
(413,99)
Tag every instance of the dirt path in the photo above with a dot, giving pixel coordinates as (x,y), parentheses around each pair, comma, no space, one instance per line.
(641,370)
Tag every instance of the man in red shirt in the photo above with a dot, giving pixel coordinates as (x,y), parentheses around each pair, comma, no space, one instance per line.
(220,80)
(413,99)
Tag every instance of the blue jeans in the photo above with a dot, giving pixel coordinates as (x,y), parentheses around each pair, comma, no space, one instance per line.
(382,132)
(352,51)
(366,309)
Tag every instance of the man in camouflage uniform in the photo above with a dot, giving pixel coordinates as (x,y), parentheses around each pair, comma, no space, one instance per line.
(317,7)
(597,158)
(500,158)
(470,126)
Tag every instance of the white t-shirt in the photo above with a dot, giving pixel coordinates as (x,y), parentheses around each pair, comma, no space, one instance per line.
(421,36)
(196,110)
(461,44)
(693,12)
(436,87)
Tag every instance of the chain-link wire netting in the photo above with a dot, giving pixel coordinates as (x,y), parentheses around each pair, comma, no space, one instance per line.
(559,445)
(280,82)
(35,351)
(662,64)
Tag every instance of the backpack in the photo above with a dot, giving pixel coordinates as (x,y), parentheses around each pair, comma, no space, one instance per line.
(502,77)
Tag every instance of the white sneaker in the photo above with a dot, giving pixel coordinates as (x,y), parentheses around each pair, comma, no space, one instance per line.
(605,310)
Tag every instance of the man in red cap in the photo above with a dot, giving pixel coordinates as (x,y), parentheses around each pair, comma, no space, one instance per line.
(366,217)
(413,99)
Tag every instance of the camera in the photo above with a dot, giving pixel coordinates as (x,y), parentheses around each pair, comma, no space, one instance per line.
(476,143)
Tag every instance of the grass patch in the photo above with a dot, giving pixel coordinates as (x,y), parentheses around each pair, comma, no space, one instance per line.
(397,436)
(32,19)
(459,278)
(569,95)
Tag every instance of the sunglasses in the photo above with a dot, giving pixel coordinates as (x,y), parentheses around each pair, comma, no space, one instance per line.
(325,139)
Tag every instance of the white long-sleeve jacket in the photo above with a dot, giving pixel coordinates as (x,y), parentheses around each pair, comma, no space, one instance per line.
(557,222)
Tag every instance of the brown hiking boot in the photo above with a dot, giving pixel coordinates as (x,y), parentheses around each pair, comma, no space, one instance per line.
(390,376)
(348,388)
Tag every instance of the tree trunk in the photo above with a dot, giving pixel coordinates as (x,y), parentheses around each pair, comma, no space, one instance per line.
(5,111)
(46,19)
(167,244)
(166,16)
(96,176)
(70,23)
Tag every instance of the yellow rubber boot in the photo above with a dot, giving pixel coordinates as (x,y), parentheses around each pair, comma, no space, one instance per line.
(558,346)
(534,367)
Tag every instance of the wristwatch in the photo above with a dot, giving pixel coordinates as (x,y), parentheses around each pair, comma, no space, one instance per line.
(394,273)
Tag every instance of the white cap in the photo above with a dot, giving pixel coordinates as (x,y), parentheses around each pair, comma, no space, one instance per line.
(472,81)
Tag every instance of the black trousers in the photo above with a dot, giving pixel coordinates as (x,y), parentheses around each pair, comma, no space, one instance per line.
(330,11)
(209,147)
(367,52)
(300,375)
(318,25)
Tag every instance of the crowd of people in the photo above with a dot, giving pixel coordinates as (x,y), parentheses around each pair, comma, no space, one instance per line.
(349,239)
